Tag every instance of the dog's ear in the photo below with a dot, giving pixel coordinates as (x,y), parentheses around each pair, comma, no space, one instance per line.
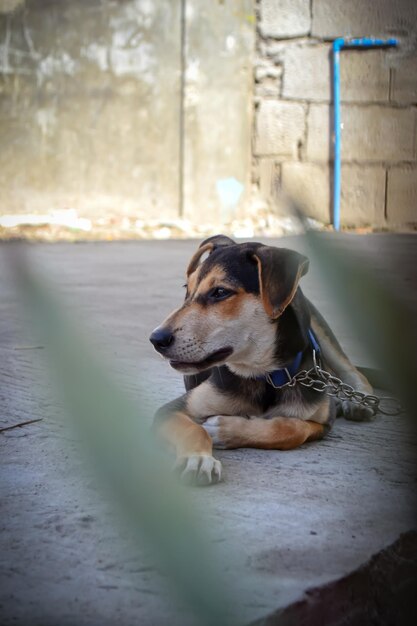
(192,266)
(279,273)
(208,245)
(218,241)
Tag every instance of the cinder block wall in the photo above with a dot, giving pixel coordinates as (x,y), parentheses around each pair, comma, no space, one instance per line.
(293,112)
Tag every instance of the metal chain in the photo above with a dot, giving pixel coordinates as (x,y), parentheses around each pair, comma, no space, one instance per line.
(320,380)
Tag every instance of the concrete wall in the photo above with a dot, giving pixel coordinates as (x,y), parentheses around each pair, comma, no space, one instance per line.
(89,107)
(219,46)
(144,108)
(139,108)
(293,97)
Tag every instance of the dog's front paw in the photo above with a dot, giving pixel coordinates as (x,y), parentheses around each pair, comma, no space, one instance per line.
(355,412)
(199,469)
(225,430)
(214,426)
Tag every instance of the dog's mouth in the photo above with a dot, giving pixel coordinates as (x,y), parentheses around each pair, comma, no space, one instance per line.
(212,359)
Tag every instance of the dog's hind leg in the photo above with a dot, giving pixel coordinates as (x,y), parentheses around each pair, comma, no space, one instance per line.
(339,364)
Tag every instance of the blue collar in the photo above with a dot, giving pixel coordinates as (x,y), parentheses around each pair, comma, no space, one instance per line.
(278,378)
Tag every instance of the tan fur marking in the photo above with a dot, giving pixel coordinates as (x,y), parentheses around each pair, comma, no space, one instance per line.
(256,335)
(267,304)
(193,280)
(279,433)
(206,400)
(186,436)
(197,256)
(231,307)
(213,278)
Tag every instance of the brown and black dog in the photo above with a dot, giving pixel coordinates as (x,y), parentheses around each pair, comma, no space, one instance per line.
(244,326)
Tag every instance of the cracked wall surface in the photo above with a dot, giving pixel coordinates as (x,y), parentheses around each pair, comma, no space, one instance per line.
(293,126)
(85,89)
(138,109)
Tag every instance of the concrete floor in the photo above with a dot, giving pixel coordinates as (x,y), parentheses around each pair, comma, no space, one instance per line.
(298,520)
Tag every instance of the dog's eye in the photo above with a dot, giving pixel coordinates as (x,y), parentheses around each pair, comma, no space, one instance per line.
(219,293)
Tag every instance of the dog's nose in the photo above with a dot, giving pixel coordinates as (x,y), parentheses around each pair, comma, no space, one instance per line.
(161,338)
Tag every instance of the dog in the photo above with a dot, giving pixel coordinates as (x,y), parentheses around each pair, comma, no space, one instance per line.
(244,330)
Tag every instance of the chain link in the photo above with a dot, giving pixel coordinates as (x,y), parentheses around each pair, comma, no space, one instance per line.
(322,381)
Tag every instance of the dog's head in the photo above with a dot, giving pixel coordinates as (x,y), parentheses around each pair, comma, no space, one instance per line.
(235,295)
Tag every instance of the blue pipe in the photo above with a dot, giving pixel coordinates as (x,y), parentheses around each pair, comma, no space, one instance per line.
(338,45)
